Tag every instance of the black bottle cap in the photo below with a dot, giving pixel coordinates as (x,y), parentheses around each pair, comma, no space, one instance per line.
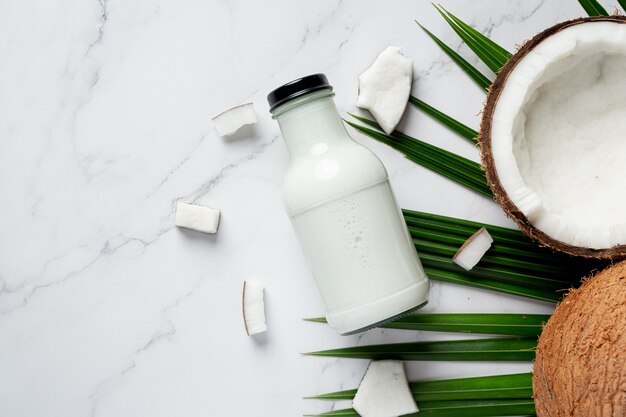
(297,88)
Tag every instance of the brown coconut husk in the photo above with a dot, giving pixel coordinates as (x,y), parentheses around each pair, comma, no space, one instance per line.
(580,367)
(487,157)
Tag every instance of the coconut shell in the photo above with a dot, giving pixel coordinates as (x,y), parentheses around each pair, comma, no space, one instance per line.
(580,366)
(484,139)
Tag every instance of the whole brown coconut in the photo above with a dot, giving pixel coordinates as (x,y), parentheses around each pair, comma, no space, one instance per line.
(485,141)
(580,367)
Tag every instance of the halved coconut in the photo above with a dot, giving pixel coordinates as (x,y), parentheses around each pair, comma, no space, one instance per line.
(553,137)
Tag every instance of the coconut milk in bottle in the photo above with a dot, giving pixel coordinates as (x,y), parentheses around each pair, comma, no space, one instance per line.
(344,213)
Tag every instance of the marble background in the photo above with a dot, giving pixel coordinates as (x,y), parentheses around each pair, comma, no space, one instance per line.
(107,309)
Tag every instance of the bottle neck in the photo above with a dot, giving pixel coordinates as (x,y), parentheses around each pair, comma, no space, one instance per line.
(310,124)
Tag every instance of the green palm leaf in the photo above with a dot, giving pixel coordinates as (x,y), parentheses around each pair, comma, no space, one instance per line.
(513,265)
(622,3)
(448,164)
(502,349)
(500,324)
(490,53)
(493,48)
(472,72)
(593,8)
(433,150)
(454,125)
(507,241)
(496,273)
(477,388)
(460,278)
(465,408)
(441,231)
(429,242)
(461,227)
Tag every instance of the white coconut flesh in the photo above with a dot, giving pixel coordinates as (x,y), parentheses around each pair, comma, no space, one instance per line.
(196,217)
(384,391)
(385,87)
(231,120)
(558,135)
(473,249)
(253,307)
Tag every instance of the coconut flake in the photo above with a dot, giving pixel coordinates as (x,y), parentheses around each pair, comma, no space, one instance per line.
(231,120)
(195,217)
(473,249)
(253,308)
(384,391)
(384,88)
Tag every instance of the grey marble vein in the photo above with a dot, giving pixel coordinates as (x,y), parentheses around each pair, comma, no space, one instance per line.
(160,335)
(216,179)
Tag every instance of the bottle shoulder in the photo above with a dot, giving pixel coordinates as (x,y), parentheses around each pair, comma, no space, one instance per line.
(340,169)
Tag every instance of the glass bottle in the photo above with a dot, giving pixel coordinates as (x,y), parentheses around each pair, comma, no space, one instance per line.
(344,213)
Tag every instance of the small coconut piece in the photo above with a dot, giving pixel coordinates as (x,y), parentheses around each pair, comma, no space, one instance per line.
(231,120)
(473,249)
(580,365)
(196,217)
(384,391)
(253,308)
(384,88)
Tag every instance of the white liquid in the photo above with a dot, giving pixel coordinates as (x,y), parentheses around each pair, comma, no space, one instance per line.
(358,248)
(347,220)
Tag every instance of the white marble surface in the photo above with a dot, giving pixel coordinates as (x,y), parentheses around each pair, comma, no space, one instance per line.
(106,309)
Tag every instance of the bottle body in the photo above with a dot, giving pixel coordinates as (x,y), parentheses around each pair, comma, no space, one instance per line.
(362,258)
(347,220)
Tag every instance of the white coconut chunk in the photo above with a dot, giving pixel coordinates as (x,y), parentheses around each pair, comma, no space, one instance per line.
(384,391)
(385,87)
(558,135)
(473,249)
(195,217)
(253,308)
(231,120)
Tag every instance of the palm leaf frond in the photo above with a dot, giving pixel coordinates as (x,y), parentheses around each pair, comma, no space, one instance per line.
(448,164)
(464,408)
(501,349)
(476,388)
(493,55)
(451,123)
(468,68)
(500,324)
(497,51)
(593,8)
